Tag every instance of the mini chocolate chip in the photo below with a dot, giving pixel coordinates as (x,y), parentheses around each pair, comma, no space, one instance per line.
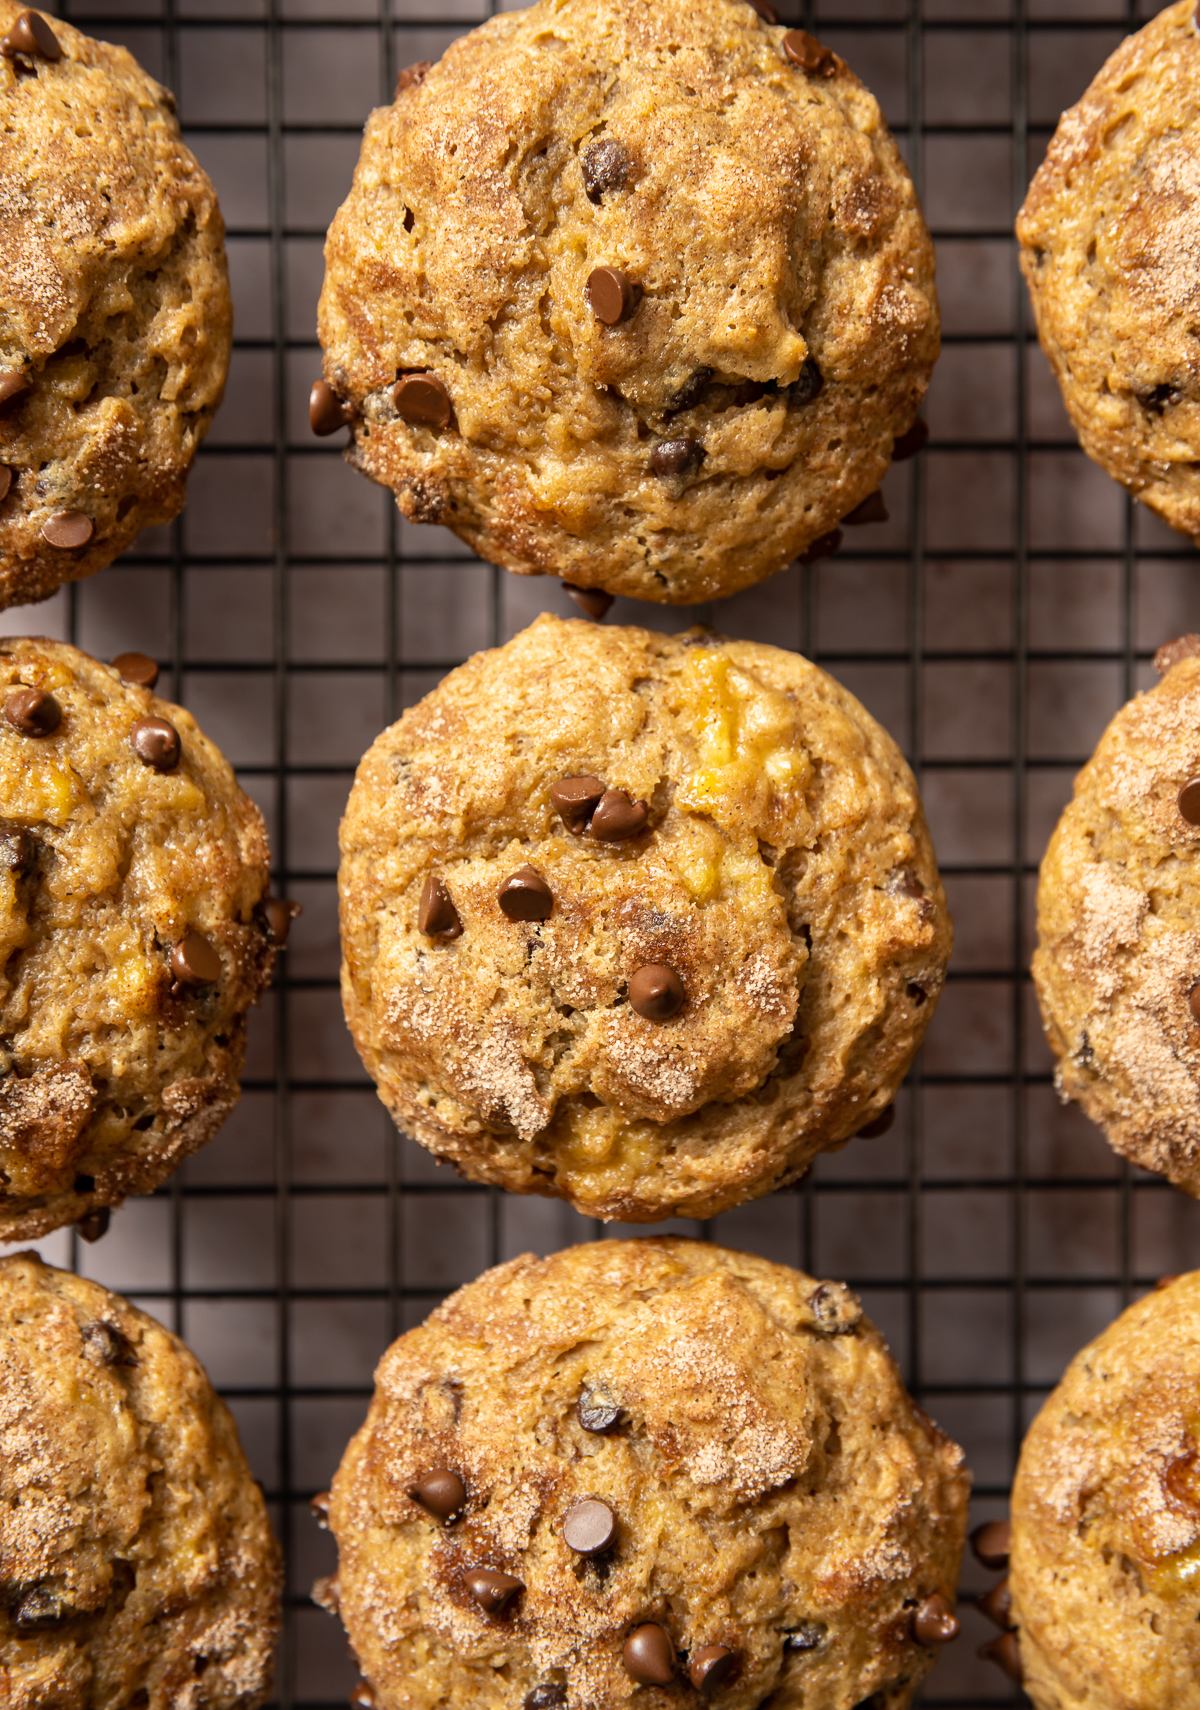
(1189,801)
(440,1493)
(525,895)
(878,1124)
(596,1412)
(326,1593)
(156,743)
(677,458)
(94,1224)
(990,1543)
(84,1184)
(33,712)
(362,1696)
(836,1309)
(592,602)
(437,916)
(1005,1652)
(39,1608)
(412,76)
(68,529)
(714,1666)
(934,1622)
(326,411)
(6,476)
(691,391)
(610,293)
(195,961)
(491,1590)
(824,546)
(903,882)
(872,510)
(617,817)
(1171,652)
(908,445)
(656,992)
(805,1638)
(649,1655)
(1155,396)
(16,848)
(13,387)
(808,53)
(320,1509)
(422,399)
(136,668)
(589,1526)
(766,11)
(808,384)
(606,165)
(31,35)
(279,913)
(576,799)
(105,1345)
(548,1696)
(996,1604)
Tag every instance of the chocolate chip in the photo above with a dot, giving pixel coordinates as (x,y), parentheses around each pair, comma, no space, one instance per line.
(437,916)
(422,399)
(326,411)
(805,1638)
(6,476)
(714,1666)
(195,961)
(752,391)
(691,392)
(617,817)
(903,882)
(31,35)
(1171,652)
(156,743)
(279,913)
(872,510)
(835,1308)
(1189,801)
(996,1604)
(33,712)
(606,165)
(808,53)
(137,668)
(824,546)
(649,1655)
(440,1493)
(596,1412)
(911,442)
(548,1696)
(610,293)
(362,1696)
(412,76)
(1194,1002)
(656,992)
(68,530)
(990,1543)
(1005,1652)
(94,1224)
(105,1345)
(592,602)
(878,1124)
(677,459)
(1155,396)
(491,1590)
(320,1509)
(39,1608)
(809,383)
(766,11)
(576,799)
(16,848)
(934,1622)
(589,1526)
(84,1184)
(13,387)
(525,895)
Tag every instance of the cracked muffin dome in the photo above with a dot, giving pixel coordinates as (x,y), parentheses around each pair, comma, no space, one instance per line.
(1117,967)
(631,292)
(650,1472)
(1109,235)
(132,941)
(137,1563)
(638,921)
(115,319)
(1106,1519)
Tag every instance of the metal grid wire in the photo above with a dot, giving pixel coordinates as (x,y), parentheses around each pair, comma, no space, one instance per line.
(994,624)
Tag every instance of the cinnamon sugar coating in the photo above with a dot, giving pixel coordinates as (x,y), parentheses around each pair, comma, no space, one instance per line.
(1119,933)
(115,307)
(773,335)
(783,876)
(776,1492)
(136,1557)
(1109,235)
(1106,1519)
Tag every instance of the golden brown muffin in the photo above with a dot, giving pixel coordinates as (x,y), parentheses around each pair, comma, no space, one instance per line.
(751,834)
(602,1478)
(1117,965)
(1109,235)
(1106,1519)
(132,941)
(633,292)
(115,318)
(137,1565)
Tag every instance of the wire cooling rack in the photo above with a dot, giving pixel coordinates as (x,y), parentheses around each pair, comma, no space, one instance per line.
(994,624)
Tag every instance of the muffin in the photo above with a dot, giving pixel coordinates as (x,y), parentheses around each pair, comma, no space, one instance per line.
(137,1561)
(1106,1519)
(1117,964)
(631,292)
(649,1472)
(1108,235)
(643,922)
(134,936)
(115,320)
